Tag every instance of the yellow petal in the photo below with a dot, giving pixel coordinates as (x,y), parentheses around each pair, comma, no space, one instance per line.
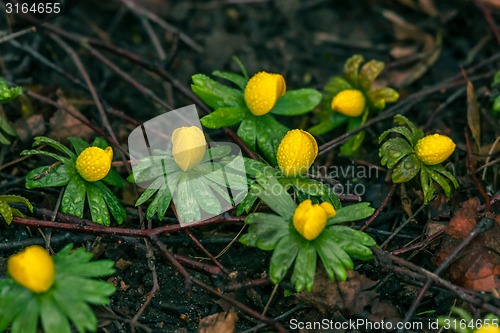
(296,152)
(33,268)
(262,92)
(350,102)
(188,146)
(329,209)
(94,163)
(309,220)
(434,149)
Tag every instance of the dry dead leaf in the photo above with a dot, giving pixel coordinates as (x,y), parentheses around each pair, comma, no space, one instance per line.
(64,125)
(477,267)
(223,322)
(473,119)
(123,264)
(351,297)
(30,127)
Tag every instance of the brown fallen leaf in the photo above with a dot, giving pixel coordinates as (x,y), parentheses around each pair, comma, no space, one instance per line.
(223,322)
(352,297)
(476,267)
(473,119)
(64,125)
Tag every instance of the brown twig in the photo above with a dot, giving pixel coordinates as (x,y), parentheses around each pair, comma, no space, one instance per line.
(470,164)
(379,209)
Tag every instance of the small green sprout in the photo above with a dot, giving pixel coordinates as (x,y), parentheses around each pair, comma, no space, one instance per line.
(252,104)
(297,235)
(8,212)
(52,292)
(413,153)
(350,99)
(495,94)
(84,174)
(6,95)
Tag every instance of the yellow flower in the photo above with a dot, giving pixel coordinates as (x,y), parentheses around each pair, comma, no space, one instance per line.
(188,146)
(434,149)
(94,163)
(350,102)
(491,329)
(310,220)
(296,152)
(262,92)
(32,268)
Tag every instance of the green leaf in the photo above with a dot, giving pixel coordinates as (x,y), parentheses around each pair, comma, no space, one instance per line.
(353,144)
(78,144)
(215,94)
(297,102)
(335,120)
(8,94)
(6,212)
(41,178)
(440,180)
(253,167)
(402,120)
(265,230)
(393,150)
(406,169)
(204,196)
(100,142)
(336,85)
(426,184)
(80,314)
(305,268)
(52,318)
(148,193)
(114,205)
(27,320)
(237,79)
(399,130)
(351,68)
(248,131)
(4,140)
(163,197)
(73,200)
(247,203)
(352,212)
(380,96)
(84,289)
(283,256)
(17,199)
(310,186)
(241,66)
(186,205)
(331,262)
(13,299)
(97,205)
(274,195)
(369,73)
(330,241)
(43,140)
(113,179)
(270,132)
(439,168)
(224,117)
(59,158)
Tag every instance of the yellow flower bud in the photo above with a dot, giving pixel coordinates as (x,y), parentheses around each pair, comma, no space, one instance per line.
(262,92)
(33,268)
(490,329)
(350,102)
(94,163)
(296,152)
(310,220)
(188,146)
(434,149)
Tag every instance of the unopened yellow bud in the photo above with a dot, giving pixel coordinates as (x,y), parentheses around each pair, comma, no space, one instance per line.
(33,268)
(296,152)
(309,220)
(94,163)
(350,102)
(434,149)
(262,92)
(188,146)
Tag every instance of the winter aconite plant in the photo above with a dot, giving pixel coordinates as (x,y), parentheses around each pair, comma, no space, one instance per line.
(296,153)
(84,173)
(200,180)
(461,321)
(252,104)
(297,235)
(413,153)
(6,95)
(53,293)
(8,212)
(351,98)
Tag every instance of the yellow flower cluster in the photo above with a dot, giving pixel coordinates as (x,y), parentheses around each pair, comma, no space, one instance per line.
(296,152)
(188,146)
(490,329)
(434,149)
(33,268)
(262,92)
(94,163)
(310,220)
(350,102)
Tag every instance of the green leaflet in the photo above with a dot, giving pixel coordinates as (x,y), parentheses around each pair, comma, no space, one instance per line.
(48,176)
(237,79)
(224,117)
(297,102)
(97,205)
(73,200)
